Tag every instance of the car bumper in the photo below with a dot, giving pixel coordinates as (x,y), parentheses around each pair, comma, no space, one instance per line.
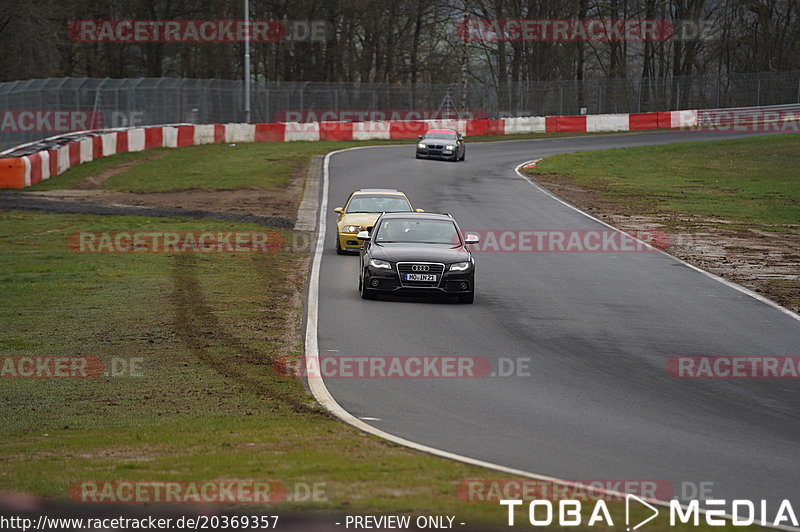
(436,154)
(349,242)
(383,280)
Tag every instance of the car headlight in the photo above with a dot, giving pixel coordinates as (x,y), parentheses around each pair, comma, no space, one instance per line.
(460,267)
(375,263)
(352,228)
(449,147)
(421,145)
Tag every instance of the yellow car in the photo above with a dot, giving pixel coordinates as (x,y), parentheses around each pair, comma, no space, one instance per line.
(360,212)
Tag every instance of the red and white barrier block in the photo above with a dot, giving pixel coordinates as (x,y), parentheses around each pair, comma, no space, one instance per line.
(23,171)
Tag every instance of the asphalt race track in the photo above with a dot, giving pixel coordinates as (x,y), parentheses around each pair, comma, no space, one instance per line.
(598,329)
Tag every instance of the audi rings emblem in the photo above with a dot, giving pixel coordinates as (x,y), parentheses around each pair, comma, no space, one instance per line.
(420,268)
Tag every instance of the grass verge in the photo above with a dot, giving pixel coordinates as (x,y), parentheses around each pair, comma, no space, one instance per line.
(266,165)
(749,181)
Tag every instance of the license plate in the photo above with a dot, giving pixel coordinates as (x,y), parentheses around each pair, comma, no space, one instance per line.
(429,277)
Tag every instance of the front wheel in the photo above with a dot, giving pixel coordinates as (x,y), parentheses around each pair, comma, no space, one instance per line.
(366,293)
(339,250)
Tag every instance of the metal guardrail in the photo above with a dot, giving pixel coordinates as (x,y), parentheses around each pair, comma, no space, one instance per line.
(151,101)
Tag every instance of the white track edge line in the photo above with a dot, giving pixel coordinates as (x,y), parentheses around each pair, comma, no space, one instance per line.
(324,397)
(722,280)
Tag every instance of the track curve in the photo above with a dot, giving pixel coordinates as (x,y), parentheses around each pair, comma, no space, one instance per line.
(597,328)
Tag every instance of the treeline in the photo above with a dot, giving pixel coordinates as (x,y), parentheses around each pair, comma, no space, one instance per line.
(401,41)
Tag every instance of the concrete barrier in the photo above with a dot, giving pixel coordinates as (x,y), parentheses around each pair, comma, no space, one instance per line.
(371,130)
(59,154)
(525,124)
(565,124)
(335,131)
(301,131)
(609,122)
(136,139)
(270,132)
(642,121)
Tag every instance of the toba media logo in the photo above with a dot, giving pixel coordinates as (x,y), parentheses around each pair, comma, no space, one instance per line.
(715,513)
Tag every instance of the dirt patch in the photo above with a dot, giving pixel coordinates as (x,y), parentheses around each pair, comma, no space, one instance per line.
(96,181)
(279,202)
(256,201)
(765,261)
(21,201)
(200,329)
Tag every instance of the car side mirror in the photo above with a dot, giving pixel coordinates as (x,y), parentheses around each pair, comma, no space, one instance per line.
(363,235)
(471,239)
(418,210)
(338,210)
(420,137)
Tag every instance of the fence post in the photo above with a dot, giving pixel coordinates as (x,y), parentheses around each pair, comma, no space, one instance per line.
(639,97)
(758,93)
(599,97)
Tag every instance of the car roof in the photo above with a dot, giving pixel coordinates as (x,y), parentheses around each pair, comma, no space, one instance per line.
(386,191)
(420,215)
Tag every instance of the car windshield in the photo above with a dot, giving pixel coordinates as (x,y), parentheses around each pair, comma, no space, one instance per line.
(378,204)
(417,231)
(443,135)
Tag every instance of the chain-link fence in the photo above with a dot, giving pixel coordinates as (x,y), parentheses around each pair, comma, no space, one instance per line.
(40,108)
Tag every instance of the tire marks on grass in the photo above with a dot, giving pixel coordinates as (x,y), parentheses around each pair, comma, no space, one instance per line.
(219,348)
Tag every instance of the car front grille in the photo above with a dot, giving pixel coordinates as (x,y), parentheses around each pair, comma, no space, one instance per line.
(435,268)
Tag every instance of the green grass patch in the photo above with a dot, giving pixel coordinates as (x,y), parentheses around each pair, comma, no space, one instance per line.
(750,180)
(205,403)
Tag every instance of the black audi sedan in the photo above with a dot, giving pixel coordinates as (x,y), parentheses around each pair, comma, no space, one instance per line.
(417,252)
(442,144)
